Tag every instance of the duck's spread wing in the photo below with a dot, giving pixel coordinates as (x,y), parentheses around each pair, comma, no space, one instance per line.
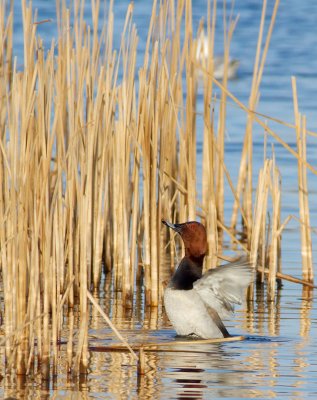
(223,287)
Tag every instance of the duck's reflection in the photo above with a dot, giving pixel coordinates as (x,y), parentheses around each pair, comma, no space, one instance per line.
(192,387)
(205,374)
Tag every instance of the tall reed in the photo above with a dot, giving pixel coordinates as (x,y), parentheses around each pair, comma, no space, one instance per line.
(245,172)
(305,228)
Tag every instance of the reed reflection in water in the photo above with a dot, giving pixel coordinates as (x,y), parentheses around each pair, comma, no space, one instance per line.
(278,358)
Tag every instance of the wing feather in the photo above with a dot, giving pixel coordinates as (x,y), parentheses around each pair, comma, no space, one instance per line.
(223,287)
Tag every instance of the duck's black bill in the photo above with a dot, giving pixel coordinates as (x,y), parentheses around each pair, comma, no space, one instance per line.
(175,227)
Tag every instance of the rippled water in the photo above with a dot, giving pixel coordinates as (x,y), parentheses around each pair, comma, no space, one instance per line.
(279,357)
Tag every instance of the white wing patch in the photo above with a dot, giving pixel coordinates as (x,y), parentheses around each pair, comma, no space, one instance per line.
(223,287)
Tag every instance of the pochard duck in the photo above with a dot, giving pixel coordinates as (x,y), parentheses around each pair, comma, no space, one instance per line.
(196,303)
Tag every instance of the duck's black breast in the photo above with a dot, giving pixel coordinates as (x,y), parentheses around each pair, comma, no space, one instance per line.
(186,274)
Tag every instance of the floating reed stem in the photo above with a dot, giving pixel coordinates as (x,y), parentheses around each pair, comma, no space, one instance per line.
(280,275)
(164,346)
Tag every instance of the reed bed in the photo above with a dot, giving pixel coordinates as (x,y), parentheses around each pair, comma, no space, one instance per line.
(95,152)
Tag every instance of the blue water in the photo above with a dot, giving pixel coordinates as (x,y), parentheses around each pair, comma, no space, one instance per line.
(279,358)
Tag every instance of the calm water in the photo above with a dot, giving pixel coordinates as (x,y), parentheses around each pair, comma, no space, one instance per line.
(279,357)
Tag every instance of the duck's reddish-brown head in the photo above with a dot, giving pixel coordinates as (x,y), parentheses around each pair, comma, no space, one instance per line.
(194,237)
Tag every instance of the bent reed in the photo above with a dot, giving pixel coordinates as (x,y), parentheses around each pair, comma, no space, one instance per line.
(95,152)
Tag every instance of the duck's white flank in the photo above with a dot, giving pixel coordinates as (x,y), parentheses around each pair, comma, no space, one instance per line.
(199,311)
(189,315)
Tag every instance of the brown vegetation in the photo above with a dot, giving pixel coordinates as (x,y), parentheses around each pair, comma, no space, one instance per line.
(93,153)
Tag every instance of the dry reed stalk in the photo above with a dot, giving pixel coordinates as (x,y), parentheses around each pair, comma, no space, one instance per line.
(158,120)
(175,187)
(21,223)
(190,130)
(286,277)
(208,179)
(212,237)
(164,346)
(222,117)
(306,241)
(178,165)
(247,147)
(179,52)
(166,168)
(153,179)
(138,134)
(146,213)
(208,191)
(133,259)
(81,363)
(39,198)
(103,229)
(268,178)
(33,187)
(308,270)
(149,151)
(209,196)
(120,157)
(260,211)
(117,333)
(208,151)
(127,120)
(259,219)
(196,341)
(245,172)
(154,139)
(6,24)
(264,126)
(98,181)
(145,146)
(281,122)
(178,57)
(233,238)
(5,80)
(264,232)
(275,237)
(44,206)
(46,264)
